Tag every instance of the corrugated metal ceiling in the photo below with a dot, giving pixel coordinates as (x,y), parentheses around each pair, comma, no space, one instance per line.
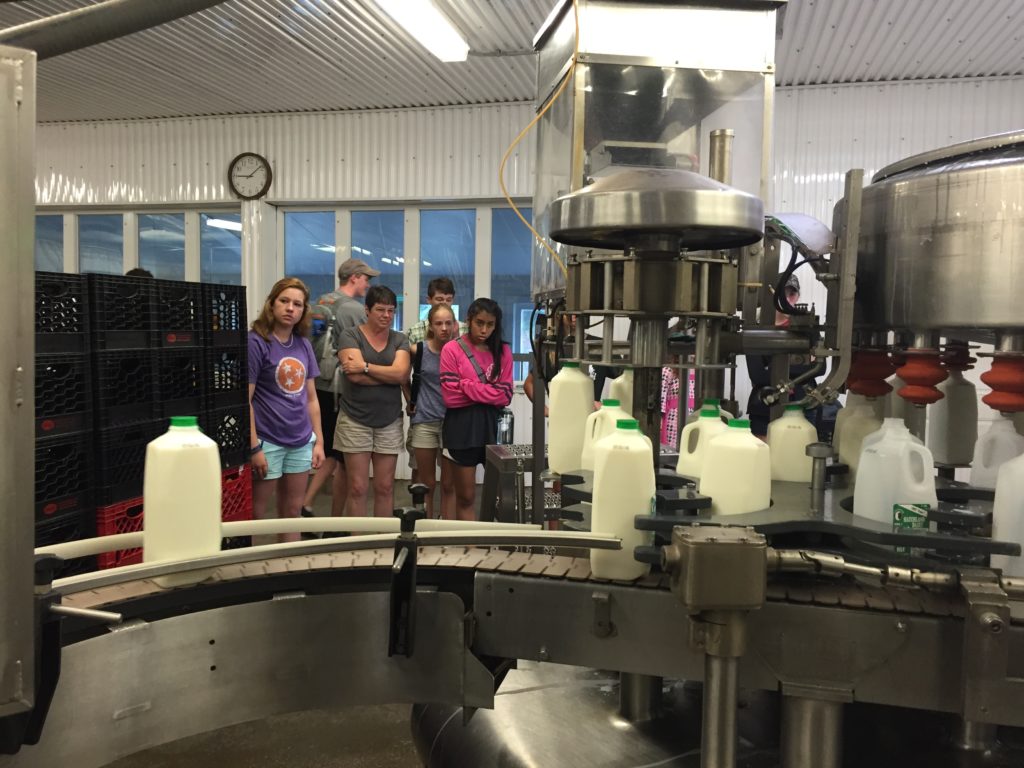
(297,55)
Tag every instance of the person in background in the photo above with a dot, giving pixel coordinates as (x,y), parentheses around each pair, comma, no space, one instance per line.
(476,381)
(375,361)
(284,415)
(138,272)
(425,406)
(599,373)
(332,314)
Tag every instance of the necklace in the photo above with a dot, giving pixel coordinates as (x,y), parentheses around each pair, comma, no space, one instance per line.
(291,340)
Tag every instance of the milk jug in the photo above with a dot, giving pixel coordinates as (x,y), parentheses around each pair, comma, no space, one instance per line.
(861,422)
(572,401)
(852,401)
(889,425)
(998,445)
(737,472)
(181,498)
(693,444)
(621,389)
(623,488)
(897,479)
(1008,514)
(953,421)
(710,402)
(788,437)
(600,423)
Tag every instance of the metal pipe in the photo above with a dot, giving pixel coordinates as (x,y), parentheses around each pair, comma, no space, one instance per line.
(718,732)
(916,417)
(766,341)
(83,27)
(608,327)
(107,617)
(819,453)
(539,463)
(650,338)
(812,733)
(720,162)
(975,737)
(639,697)
(1010,342)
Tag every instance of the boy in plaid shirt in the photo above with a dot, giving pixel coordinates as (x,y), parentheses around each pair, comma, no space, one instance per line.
(440,290)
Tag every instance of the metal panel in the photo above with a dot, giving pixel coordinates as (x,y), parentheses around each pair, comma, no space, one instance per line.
(359,156)
(17,121)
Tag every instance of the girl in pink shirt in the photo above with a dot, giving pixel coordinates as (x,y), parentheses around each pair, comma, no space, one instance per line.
(476,383)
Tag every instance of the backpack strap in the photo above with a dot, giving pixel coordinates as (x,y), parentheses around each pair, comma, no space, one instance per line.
(417,368)
(476,366)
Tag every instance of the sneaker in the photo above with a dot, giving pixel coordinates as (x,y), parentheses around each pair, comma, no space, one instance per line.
(309,535)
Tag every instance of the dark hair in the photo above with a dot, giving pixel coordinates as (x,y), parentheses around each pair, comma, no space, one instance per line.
(264,324)
(138,272)
(440,285)
(495,343)
(381,294)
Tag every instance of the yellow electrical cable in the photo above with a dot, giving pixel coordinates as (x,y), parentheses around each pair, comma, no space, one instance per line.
(526,130)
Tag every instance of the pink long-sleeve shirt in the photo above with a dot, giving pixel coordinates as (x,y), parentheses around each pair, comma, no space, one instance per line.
(460,386)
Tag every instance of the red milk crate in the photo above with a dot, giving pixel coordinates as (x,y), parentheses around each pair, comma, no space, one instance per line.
(236,502)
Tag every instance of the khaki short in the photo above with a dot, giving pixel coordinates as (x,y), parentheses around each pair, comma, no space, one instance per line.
(425,435)
(353,437)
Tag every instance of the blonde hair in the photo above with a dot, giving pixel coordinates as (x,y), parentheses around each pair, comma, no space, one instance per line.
(433,311)
(264,324)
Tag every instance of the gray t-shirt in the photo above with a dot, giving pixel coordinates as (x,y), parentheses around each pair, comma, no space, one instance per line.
(348,313)
(372,406)
(429,401)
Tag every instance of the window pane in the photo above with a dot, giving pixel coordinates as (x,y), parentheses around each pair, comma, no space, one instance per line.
(511,248)
(162,244)
(101,243)
(309,250)
(448,249)
(220,248)
(50,243)
(378,238)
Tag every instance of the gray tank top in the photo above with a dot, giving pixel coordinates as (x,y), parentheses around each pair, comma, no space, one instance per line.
(429,401)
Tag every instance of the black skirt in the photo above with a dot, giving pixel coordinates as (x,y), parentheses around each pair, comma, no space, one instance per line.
(473,426)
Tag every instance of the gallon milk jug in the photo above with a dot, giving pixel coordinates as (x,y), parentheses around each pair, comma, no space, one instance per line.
(896,479)
(623,488)
(788,437)
(693,444)
(953,421)
(181,498)
(710,402)
(889,425)
(600,423)
(852,401)
(998,445)
(737,472)
(861,422)
(621,389)
(572,401)
(1008,514)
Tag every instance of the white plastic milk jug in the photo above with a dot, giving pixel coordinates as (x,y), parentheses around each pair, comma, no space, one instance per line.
(737,471)
(693,444)
(710,402)
(953,421)
(889,425)
(1008,514)
(621,389)
(861,422)
(852,401)
(788,437)
(623,488)
(998,445)
(896,479)
(572,401)
(181,498)
(600,423)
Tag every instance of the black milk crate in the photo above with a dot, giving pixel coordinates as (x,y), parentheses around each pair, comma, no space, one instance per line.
(65,528)
(224,313)
(229,428)
(124,383)
(62,313)
(181,381)
(121,459)
(63,395)
(179,313)
(122,312)
(227,377)
(63,475)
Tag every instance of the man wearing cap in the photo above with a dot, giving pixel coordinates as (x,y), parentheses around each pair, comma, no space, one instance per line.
(342,309)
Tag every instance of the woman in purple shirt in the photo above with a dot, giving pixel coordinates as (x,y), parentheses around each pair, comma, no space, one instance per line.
(284,414)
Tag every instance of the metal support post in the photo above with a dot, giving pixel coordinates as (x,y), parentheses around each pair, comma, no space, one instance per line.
(812,733)
(718,733)
(639,697)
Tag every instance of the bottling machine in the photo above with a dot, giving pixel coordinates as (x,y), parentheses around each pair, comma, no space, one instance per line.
(798,636)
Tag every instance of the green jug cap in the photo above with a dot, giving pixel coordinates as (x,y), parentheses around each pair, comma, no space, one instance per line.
(740,423)
(184,421)
(570,364)
(611,401)
(712,401)
(709,412)
(627,424)
(794,407)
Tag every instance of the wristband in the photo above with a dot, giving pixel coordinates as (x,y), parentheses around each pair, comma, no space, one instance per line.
(256,449)
(366,369)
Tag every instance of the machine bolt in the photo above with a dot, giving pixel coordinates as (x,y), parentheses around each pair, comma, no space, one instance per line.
(992,622)
(901,626)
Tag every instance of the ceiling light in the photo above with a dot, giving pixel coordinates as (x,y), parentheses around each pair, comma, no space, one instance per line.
(225,224)
(430,27)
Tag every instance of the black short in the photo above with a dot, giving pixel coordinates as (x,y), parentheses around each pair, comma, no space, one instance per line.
(328,423)
(467,457)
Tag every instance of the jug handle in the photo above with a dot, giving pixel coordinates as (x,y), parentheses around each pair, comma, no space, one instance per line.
(923,454)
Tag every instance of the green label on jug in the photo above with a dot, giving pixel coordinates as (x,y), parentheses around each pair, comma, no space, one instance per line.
(907,517)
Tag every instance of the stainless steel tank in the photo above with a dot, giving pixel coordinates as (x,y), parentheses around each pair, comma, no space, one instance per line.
(942,240)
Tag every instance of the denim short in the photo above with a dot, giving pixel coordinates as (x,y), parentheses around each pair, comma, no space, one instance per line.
(288,461)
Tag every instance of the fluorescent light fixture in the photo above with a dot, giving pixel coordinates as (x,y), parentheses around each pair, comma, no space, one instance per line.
(430,27)
(324,248)
(427,264)
(363,251)
(224,224)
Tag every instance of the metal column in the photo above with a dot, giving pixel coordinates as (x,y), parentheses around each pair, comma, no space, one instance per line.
(812,733)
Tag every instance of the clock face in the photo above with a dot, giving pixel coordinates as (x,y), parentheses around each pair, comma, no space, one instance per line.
(249,175)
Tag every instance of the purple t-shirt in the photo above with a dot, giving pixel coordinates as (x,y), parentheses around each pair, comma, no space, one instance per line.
(279,372)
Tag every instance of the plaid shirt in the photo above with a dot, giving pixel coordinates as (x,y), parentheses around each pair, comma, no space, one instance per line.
(418,332)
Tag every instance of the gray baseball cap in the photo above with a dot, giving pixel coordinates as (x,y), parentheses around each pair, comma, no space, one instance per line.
(355,267)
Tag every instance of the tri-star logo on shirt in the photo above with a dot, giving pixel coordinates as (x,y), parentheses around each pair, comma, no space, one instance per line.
(291,376)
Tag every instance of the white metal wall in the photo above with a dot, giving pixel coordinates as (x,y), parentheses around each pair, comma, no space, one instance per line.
(416,154)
